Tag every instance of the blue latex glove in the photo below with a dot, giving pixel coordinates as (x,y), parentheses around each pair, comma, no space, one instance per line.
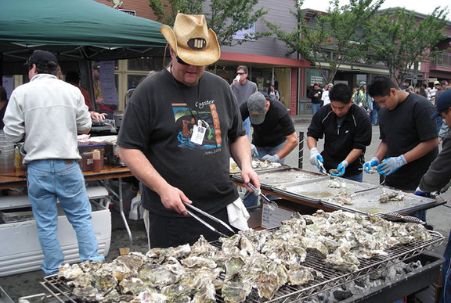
(316,158)
(390,165)
(271,158)
(421,193)
(254,151)
(368,165)
(341,168)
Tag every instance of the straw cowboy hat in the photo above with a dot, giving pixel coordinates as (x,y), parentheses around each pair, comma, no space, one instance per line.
(192,41)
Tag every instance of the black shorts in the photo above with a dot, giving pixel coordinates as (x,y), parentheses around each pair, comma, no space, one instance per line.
(174,231)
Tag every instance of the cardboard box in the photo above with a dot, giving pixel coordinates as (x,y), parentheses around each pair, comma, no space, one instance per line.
(21,251)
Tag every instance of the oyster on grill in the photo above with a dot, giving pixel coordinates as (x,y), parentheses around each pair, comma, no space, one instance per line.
(202,248)
(88,293)
(151,296)
(83,280)
(198,262)
(235,289)
(343,259)
(104,279)
(132,286)
(300,275)
(177,292)
(162,275)
(69,272)
(133,260)
(315,244)
(206,293)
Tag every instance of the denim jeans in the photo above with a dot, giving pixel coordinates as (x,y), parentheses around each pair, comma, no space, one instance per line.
(269,150)
(358,178)
(49,180)
(315,107)
(250,200)
(247,127)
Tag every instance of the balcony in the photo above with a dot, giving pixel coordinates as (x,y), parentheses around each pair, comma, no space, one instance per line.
(441,62)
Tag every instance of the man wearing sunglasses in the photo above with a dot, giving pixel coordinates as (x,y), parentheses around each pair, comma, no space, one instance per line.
(243,88)
(180,129)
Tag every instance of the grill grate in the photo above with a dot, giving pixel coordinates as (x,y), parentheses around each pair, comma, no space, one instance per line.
(332,278)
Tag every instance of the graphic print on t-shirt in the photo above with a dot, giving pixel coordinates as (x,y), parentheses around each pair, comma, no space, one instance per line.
(203,115)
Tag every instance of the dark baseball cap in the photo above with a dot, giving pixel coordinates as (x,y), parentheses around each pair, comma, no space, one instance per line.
(41,57)
(256,107)
(443,101)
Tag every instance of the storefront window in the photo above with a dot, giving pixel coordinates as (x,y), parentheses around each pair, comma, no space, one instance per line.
(145,63)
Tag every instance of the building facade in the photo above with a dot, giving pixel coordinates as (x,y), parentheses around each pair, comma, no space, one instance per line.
(269,62)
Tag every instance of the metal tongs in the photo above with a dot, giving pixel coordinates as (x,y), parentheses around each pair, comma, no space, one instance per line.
(200,211)
(258,192)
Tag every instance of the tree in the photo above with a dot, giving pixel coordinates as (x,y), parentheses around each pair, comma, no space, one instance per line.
(224,17)
(401,39)
(329,39)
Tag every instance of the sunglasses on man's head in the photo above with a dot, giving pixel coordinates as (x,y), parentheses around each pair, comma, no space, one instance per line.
(240,73)
(180,61)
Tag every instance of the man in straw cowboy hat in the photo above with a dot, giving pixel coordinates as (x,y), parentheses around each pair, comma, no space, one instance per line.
(178,133)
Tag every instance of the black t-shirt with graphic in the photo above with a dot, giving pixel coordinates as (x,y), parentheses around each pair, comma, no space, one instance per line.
(403,128)
(274,129)
(160,120)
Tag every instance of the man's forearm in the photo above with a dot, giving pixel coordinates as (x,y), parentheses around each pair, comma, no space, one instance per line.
(311,142)
(353,155)
(381,150)
(241,152)
(420,150)
(290,144)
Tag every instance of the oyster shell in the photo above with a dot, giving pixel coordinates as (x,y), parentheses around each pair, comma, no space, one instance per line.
(300,275)
(69,272)
(198,262)
(388,196)
(236,289)
(132,286)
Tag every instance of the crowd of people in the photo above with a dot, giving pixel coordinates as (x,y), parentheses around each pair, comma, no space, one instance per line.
(183,124)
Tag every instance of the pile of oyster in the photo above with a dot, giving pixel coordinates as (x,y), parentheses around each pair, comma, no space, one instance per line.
(252,261)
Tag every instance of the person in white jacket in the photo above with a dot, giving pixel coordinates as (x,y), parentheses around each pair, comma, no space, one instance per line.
(48,113)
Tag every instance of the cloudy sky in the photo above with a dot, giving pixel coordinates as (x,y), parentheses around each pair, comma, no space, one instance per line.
(421,6)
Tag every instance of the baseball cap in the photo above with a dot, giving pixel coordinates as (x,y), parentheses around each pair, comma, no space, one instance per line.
(256,107)
(436,82)
(41,57)
(443,101)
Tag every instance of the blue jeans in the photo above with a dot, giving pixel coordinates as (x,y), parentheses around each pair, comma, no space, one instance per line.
(269,150)
(247,127)
(250,200)
(358,178)
(315,107)
(49,180)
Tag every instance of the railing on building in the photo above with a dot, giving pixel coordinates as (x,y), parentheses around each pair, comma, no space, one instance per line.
(442,59)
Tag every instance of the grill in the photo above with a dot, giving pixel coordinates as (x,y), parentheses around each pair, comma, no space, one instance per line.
(332,278)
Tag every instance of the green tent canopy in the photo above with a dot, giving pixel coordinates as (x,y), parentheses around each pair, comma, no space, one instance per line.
(77,29)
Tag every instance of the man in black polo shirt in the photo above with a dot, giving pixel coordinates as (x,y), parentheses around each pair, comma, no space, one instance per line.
(347,131)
